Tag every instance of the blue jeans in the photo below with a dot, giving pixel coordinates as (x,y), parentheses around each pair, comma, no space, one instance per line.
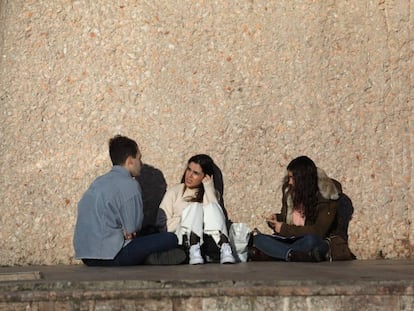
(280,249)
(138,250)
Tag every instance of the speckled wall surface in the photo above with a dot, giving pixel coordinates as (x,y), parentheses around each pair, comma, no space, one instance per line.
(252,83)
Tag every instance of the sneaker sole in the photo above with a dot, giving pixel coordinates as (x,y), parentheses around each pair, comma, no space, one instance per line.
(228,261)
(196,262)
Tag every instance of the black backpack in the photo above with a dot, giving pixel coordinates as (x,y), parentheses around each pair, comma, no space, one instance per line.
(338,238)
(344,212)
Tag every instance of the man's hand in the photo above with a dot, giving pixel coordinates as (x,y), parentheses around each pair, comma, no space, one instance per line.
(129,236)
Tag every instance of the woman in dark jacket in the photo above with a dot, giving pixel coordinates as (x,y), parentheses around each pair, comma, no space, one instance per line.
(308,212)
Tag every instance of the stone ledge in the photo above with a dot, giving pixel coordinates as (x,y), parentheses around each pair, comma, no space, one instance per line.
(161,290)
(377,285)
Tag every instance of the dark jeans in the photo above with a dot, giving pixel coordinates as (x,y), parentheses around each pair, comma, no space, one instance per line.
(138,250)
(280,249)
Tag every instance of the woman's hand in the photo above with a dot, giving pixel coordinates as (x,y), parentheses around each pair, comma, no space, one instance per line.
(278,226)
(271,218)
(207,179)
(273,223)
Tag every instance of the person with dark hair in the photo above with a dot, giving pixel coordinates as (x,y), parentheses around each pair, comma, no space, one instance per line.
(192,209)
(308,212)
(110,216)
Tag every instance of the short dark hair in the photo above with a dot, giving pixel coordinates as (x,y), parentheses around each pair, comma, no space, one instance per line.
(120,148)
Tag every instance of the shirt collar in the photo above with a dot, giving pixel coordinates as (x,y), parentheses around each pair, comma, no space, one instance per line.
(122,170)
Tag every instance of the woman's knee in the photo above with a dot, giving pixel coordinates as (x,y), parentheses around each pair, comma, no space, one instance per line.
(194,208)
(311,240)
(168,237)
(260,240)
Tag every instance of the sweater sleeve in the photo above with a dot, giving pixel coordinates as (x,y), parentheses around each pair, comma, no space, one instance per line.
(167,207)
(209,193)
(322,225)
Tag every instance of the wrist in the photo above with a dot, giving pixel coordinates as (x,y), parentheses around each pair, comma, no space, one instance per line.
(278,226)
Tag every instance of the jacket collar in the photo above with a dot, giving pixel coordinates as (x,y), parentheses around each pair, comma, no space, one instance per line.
(326,186)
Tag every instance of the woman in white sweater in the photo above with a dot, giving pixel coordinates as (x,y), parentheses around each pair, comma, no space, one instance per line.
(192,209)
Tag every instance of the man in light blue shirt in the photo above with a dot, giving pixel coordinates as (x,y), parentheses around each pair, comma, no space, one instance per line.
(110,216)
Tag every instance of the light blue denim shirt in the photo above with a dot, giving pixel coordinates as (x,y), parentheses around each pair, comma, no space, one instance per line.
(112,203)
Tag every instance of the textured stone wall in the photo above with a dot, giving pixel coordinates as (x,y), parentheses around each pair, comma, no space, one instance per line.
(252,83)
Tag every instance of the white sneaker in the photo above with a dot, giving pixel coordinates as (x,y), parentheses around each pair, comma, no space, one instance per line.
(195,255)
(226,255)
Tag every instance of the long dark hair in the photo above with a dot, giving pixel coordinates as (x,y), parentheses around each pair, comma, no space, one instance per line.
(208,167)
(305,191)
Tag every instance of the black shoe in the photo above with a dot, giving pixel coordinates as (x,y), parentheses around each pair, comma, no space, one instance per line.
(254,254)
(314,255)
(174,256)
